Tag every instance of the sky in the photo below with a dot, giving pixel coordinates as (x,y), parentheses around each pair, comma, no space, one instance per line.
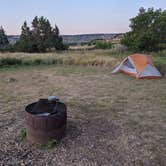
(74,16)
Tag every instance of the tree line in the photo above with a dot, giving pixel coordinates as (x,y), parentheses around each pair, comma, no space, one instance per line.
(41,37)
(148,33)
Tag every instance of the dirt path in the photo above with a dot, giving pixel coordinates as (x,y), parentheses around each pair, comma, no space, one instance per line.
(112,119)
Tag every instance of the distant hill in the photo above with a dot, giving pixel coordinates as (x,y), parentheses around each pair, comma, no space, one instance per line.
(85,38)
(13,38)
(76,39)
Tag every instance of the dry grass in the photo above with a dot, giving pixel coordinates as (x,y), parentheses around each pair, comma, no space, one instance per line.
(110,58)
(90,57)
(112,119)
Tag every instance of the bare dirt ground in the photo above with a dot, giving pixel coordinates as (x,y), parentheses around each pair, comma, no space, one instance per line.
(112,119)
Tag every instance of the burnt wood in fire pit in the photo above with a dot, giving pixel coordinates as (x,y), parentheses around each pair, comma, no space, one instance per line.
(42,128)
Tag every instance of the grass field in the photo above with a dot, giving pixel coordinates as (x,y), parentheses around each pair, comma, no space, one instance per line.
(109,58)
(112,119)
(93,58)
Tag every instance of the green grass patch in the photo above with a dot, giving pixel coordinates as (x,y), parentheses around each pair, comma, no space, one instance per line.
(10,61)
(51,144)
(22,133)
(103,45)
(159,60)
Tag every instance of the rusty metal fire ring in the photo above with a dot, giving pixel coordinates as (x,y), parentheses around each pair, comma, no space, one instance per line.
(41,129)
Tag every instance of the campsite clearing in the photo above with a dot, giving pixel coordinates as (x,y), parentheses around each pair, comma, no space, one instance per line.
(112,119)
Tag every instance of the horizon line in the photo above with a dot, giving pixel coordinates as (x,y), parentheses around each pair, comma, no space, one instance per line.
(80,34)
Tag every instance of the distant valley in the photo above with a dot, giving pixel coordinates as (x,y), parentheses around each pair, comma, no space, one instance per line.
(76,39)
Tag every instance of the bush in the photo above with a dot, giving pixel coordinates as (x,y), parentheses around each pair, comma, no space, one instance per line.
(10,61)
(37,61)
(103,45)
(27,62)
(7,48)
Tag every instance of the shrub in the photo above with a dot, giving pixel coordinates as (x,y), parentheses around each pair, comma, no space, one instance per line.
(7,48)
(10,61)
(103,45)
(37,61)
(27,62)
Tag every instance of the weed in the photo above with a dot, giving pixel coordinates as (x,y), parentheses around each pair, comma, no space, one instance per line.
(51,144)
(22,133)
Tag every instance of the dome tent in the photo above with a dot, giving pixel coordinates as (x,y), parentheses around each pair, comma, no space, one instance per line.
(138,66)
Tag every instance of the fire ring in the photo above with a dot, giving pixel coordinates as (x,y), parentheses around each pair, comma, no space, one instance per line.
(43,126)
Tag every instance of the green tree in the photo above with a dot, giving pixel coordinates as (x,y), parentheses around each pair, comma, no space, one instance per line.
(148,31)
(3,38)
(41,37)
(26,42)
(42,32)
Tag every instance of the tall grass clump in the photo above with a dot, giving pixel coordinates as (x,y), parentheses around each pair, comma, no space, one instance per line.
(161,53)
(10,61)
(42,61)
(161,65)
(159,59)
(119,54)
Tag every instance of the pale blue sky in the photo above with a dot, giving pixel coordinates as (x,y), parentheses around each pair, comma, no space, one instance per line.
(74,16)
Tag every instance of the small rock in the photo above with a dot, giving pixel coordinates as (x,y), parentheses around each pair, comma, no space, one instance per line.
(10,129)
